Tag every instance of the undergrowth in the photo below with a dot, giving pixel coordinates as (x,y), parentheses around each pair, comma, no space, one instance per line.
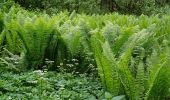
(130,53)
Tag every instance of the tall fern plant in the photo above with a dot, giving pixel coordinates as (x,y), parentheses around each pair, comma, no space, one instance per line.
(116,74)
(106,63)
(35,36)
(159,72)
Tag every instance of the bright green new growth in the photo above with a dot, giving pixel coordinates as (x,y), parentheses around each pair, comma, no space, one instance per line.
(106,64)
(142,78)
(131,53)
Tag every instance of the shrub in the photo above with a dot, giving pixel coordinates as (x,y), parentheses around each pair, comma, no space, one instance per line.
(96,6)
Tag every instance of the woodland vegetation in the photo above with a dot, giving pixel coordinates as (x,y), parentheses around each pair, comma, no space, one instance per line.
(84,50)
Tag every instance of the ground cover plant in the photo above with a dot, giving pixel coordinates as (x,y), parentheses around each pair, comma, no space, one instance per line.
(65,55)
(40,85)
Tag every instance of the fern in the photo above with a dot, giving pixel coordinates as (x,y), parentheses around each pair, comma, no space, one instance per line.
(130,53)
(106,65)
(112,71)
(2,38)
(118,46)
(35,39)
(1,22)
(97,50)
(159,75)
(72,40)
(140,81)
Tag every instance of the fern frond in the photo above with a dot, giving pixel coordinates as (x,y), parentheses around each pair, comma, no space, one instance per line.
(106,65)
(159,75)
(111,70)
(2,37)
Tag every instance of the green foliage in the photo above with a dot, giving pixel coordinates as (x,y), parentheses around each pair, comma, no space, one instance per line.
(129,63)
(131,53)
(159,72)
(106,65)
(9,61)
(1,22)
(49,86)
(99,6)
(53,6)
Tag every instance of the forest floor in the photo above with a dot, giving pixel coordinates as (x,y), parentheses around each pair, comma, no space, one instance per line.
(38,85)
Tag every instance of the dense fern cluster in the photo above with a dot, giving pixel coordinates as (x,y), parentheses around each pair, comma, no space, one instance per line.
(131,53)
